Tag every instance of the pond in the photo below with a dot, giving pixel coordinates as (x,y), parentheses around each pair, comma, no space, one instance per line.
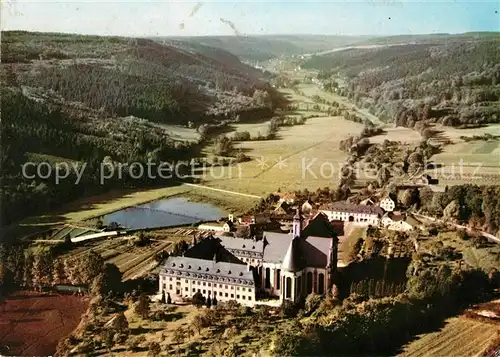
(164,213)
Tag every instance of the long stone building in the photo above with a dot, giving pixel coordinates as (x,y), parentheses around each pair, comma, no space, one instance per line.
(347,212)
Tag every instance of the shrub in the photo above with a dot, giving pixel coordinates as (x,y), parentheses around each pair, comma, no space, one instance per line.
(313,301)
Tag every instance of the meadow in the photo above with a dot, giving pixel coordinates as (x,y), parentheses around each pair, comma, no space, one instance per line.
(302,156)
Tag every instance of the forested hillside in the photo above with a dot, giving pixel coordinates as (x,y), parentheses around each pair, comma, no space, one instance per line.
(261,48)
(88,100)
(454,80)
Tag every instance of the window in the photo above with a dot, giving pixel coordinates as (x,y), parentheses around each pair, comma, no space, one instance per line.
(204,291)
(226,286)
(170,278)
(237,288)
(249,298)
(186,281)
(170,287)
(186,288)
(278,278)
(178,283)
(204,284)
(199,290)
(232,295)
(237,296)
(209,292)
(243,297)
(178,292)
(268,279)
(321,283)
(288,288)
(164,286)
(209,284)
(194,290)
(226,294)
(177,278)
(215,293)
(309,282)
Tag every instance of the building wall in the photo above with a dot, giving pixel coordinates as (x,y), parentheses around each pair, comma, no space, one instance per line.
(275,284)
(184,287)
(357,217)
(387,205)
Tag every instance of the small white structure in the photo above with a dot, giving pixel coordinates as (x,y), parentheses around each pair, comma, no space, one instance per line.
(216,227)
(397,222)
(387,204)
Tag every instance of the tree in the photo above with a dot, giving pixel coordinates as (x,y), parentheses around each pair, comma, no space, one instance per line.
(179,335)
(120,324)
(452,210)
(107,338)
(214,301)
(154,349)
(163,297)
(92,266)
(208,302)
(142,307)
(58,275)
(42,270)
(198,299)
(169,299)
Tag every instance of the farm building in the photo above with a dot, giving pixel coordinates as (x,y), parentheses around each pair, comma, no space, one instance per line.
(388,203)
(347,212)
(399,222)
(216,227)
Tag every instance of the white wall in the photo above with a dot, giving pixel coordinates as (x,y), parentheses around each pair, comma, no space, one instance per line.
(184,287)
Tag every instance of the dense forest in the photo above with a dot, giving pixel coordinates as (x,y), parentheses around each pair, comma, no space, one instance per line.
(453,80)
(88,100)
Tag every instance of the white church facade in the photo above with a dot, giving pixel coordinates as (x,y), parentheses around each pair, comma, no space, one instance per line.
(287,266)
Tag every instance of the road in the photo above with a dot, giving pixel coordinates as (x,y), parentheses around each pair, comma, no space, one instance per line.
(487,235)
(223,191)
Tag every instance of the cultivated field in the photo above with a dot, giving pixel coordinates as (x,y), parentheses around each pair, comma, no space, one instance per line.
(31,324)
(181,133)
(460,337)
(132,261)
(293,161)
(475,162)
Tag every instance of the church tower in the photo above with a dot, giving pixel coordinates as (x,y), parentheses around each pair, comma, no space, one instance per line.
(297,224)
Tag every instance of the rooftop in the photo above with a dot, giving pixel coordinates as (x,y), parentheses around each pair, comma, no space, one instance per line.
(314,250)
(233,243)
(352,208)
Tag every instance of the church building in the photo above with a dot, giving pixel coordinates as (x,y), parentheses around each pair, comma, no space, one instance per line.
(287,266)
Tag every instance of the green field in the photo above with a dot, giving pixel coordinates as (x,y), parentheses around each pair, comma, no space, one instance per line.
(303,156)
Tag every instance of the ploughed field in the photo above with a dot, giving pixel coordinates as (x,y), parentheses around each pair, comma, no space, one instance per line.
(31,323)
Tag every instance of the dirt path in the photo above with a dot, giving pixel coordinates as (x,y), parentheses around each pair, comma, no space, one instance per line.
(223,191)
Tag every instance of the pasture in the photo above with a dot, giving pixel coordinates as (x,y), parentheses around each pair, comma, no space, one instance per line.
(181,133)
(302,156)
